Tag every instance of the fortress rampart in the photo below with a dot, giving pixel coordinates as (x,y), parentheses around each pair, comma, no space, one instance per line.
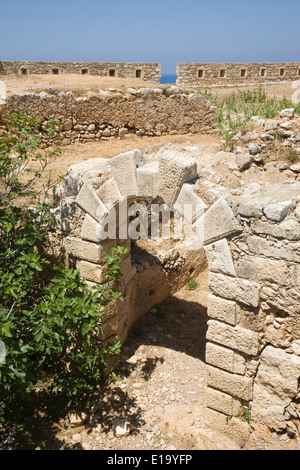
(142,70)
(207,74)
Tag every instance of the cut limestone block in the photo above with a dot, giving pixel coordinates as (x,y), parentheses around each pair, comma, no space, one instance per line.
(109,193)
(96,253)
(235,385)
(88,200)
(188,204)
(225,358)
(234,337)
(92,272)
(89,229)
(147,177)
(173,173)
(241,290)
(123,169)
(222,402)
(221,309)
(235,428)
(219,257)
(217,222)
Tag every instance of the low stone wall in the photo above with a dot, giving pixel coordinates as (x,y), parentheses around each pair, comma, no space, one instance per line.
(143,70)
(252,249)
(206,74)
(115,114)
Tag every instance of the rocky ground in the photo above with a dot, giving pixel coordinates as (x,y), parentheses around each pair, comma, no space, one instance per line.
(158,398)
(157,401)
(85,83)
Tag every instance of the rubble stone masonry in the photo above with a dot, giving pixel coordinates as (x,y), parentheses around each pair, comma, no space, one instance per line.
(208,74)
(142,70)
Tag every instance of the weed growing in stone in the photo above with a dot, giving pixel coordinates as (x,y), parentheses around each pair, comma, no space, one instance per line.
(192,284)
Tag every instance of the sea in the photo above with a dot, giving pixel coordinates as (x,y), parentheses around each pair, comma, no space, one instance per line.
(168,78)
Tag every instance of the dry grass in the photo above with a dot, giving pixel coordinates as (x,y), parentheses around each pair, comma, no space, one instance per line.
(83,83)
(79,84)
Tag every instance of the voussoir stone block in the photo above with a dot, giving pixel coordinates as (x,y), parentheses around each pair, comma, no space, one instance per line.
(123,169)
(147,177)
(234,337)
(241,290)
(217,222)
(174,171)
(88,200)
(219,257)
(189,204)
(89,229)
(109,193)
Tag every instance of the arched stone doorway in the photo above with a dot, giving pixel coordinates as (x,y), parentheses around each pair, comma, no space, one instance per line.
(238,302)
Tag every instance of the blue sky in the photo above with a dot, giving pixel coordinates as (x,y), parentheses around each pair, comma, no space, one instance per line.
(166,31)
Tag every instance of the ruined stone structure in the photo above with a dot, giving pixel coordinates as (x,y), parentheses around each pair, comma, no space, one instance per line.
(207,74)
(114,113)
(188,74)
(252,251)
(143,70)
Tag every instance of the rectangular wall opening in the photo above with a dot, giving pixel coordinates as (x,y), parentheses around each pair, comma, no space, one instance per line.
(23,72)
(112,72)
(243,73)
(223,73)
(200,73)
(84,71)
(282,72)
(138,74)
(263,72)
(55,71)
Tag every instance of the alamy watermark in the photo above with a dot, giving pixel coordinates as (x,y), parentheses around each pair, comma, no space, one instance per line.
(143,220)
(2,92)
(296,95)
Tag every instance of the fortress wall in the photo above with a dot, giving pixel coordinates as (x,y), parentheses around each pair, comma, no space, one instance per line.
(201,74)
(142,70)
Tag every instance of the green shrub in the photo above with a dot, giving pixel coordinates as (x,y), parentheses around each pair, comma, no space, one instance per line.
(192,284)
(50,321)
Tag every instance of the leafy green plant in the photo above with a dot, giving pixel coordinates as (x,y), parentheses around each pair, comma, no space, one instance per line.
(192,284)
(245,413)
(50,320)
(248,103)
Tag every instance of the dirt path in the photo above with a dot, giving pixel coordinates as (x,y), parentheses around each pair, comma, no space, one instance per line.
(160,385)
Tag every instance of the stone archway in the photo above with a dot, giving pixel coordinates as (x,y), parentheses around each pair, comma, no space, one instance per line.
(236,343)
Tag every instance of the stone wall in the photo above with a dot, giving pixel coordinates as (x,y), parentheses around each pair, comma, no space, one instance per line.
(110,114)
(252,249)
(206,74)
(254,328)
(143,70)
